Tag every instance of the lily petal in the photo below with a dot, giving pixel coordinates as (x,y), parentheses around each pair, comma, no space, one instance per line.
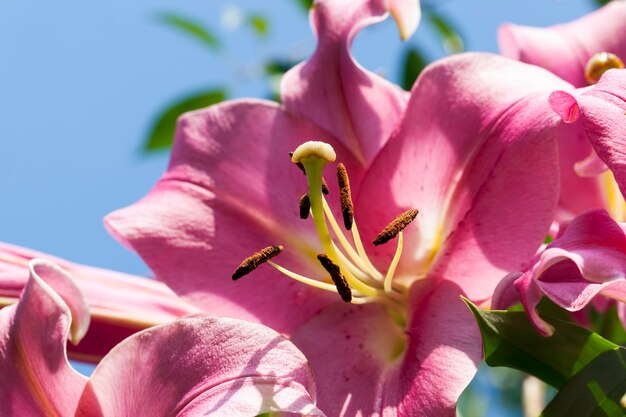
(419,374)
(602,110)
(358,107)
(588,259)
(472,146)
(119,304)
(574,161)
(36,377)
(565,49)
(201,366)
(407,15)
(231,190)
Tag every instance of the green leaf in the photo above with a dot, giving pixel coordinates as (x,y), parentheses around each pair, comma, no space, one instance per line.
(600,3)
(413,63)
(510,340)
(259,25)
(452,41)
(305,4)
(609,326)
(193,28)
(599,389)
(278,66)
(162,133)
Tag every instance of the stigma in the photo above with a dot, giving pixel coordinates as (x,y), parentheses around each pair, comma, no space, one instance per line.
(599,64)
(347,270)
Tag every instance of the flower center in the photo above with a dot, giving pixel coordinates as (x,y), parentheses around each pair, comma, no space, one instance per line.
(351,274)
(599,64)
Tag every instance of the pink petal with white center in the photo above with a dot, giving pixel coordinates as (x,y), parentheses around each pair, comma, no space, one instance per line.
(476,154)
(376,369)
(201,366)
(119,304)
(587,260)
(565,49)
(358,107)
(602,111)
(230,191)
(36,377)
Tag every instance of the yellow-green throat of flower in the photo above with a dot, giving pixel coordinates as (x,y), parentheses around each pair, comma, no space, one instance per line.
(351,273)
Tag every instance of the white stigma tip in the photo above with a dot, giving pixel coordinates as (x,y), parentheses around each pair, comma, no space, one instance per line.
(314,148)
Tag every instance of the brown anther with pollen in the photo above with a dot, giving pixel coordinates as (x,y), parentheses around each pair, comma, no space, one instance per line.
(252,262)
(298,164)
(305,206)
(599,64)
(345,196)
(335,274)
(325,186)
(396,226)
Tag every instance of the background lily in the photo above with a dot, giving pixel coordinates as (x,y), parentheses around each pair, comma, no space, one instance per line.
(587,260)
(474,139)
(189,367)
(119,304)
(566,51)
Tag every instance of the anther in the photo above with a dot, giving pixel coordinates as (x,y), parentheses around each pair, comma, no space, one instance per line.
(599,64)
(345,196)
(252,262)
(396,226)
(335,274)
(298,164)
(305,206)
(325,186)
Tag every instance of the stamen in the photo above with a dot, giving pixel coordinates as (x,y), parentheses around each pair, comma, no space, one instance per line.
(396,226)
(305,280)
(252,262)
(599,64)
(345,196)
(325,187)
(335,274)
(394,264)
(305,206)
(360,259)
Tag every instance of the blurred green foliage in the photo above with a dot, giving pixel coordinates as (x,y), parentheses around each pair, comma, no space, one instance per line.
(413,63)
(608,325)
(162,133)
(191,27)
(259,25)
(305,4)
(451,40)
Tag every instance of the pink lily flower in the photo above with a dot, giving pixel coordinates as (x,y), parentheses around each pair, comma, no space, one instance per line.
(568,50)
(601,110)
(119,304)
(587,260)
(468,148)
(188,367)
